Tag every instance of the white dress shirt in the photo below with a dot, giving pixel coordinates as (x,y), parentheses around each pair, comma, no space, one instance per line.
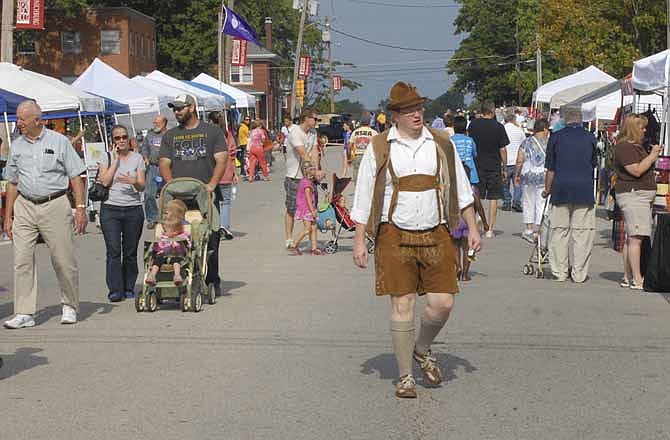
(414,211)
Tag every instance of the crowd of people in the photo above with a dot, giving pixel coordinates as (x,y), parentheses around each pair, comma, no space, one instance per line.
(419,192)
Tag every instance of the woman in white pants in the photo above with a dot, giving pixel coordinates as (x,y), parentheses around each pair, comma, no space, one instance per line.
(529,172)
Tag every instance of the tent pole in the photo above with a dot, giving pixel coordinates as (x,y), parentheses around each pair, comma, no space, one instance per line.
(9,134)
(97,121)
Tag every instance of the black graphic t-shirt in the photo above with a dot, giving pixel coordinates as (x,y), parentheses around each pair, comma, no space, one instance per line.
(192,151)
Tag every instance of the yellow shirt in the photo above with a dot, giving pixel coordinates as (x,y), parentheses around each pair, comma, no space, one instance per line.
(381,118)
(243,134)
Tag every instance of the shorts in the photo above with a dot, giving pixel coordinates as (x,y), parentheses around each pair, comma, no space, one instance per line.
(490,185)
(291,188)
(414,261)
(636,207)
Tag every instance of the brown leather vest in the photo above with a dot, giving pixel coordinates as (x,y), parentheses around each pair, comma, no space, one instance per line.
(446,180)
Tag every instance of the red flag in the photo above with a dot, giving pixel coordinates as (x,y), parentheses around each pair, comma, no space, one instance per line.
(305,66)
(30,14)
(239,55)
(337,83)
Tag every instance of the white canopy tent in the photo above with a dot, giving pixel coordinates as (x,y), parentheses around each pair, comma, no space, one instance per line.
(205,100)
(242,98)
(652,75)
(569,95)
(102,79)
(50,93)
(589,75)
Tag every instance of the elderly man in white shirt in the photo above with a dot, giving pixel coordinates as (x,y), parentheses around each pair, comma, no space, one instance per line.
(411,191)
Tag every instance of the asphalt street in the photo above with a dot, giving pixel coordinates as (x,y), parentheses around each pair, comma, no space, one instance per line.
(299,348)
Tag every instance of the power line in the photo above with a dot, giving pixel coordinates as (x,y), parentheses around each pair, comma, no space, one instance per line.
(398,5)
(376,43)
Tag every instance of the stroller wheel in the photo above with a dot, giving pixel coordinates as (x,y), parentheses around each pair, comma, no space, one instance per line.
(525,270)
(211,294)
(140,301)
(331,247)
(152,301)
(539,274)
(196,302)
(371,247)
(531,269)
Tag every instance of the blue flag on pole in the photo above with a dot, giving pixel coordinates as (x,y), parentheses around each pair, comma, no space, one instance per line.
(234,25)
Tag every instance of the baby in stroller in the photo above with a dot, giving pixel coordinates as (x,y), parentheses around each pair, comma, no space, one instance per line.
(173,244)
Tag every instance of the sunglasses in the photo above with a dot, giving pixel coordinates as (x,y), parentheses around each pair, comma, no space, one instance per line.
(121,138)
(178,109)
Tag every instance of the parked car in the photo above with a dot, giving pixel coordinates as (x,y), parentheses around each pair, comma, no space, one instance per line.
(331,126)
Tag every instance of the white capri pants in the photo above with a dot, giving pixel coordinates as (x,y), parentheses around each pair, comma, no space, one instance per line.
(533,204)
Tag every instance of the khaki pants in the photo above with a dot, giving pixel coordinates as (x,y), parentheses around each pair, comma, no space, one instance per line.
(53,220)
(573,231)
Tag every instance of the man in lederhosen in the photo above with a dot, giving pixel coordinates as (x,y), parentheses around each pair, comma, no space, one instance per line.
(411,191)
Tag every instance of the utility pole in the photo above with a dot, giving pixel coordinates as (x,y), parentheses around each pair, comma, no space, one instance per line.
(296,65)
(330,68)
(7,51)
(518,67)
(538,61)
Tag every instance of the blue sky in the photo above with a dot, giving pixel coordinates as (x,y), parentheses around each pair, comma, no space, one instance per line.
(379,67)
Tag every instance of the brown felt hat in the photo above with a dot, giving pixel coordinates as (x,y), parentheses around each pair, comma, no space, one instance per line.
(404,95)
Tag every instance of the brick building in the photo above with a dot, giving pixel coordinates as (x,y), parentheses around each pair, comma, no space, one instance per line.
(121,37)
(261,78)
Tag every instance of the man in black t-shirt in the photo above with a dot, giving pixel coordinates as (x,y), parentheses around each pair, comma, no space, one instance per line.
(491,139)
(196,149)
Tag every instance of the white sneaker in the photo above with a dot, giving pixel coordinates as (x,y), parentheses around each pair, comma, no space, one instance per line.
(529,236)
(490,234)
(69,315)
(289,243)
(20,321)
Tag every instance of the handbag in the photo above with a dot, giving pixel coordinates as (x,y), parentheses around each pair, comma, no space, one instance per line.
(98,192)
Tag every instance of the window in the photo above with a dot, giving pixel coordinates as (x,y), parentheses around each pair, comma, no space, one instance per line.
(110,42)
(25,42)
(242,74)
(71,42)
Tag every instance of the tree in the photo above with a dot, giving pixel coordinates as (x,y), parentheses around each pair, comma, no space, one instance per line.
(447,101)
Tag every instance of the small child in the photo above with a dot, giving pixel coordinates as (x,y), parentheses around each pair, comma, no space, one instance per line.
(461,237)
(172,245)
(305,210)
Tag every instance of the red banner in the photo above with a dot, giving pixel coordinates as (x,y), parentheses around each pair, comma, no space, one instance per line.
(305,66)
(337,83)
(30,14)
(239,55)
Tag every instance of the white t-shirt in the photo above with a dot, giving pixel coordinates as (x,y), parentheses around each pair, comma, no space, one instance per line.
(515,135)
(297,137)
(285,132)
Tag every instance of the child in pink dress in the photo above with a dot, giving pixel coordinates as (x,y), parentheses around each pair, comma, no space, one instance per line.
(305,210)
(173,244)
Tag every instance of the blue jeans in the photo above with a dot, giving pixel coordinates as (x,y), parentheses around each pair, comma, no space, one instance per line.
(507,195)
(122,228)
(150,206)
(226,202)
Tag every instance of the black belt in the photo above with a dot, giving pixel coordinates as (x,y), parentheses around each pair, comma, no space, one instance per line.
(41,200)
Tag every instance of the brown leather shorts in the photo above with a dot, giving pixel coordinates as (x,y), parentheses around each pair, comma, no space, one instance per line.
(414,261)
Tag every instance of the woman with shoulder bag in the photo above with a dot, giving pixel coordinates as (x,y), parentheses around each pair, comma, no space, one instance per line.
(122,215)
(635,191)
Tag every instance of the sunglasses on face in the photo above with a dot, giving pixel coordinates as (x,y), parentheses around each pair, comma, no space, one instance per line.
(123,137)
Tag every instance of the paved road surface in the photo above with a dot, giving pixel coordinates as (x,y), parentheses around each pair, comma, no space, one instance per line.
(299,348)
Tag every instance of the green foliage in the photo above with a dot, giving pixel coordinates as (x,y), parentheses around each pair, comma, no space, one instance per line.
(573,34)
(447,101)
